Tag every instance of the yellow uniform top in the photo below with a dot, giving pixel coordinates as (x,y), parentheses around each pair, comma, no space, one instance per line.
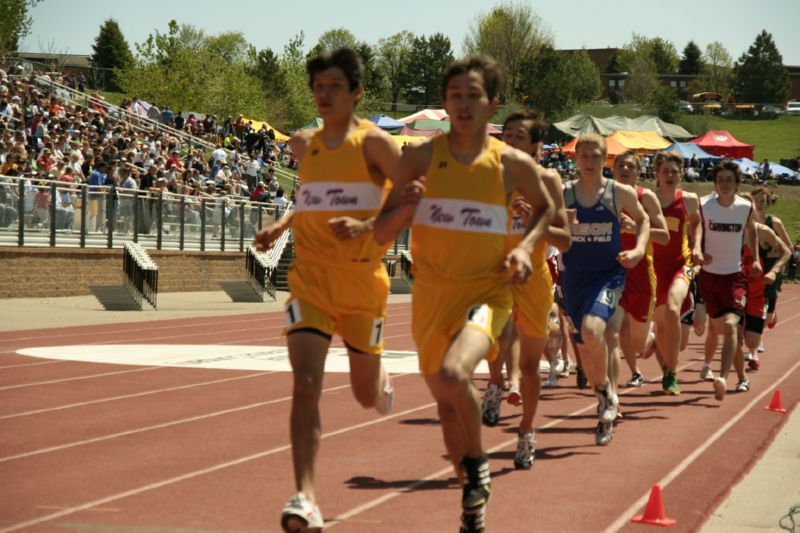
(517,231)
(461,224)
(336,183)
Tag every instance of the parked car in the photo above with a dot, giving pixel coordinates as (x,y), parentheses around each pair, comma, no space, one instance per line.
(686,107)
(770,110)
(793,108)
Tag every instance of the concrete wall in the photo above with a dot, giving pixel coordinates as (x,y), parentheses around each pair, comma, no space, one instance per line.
(41,272)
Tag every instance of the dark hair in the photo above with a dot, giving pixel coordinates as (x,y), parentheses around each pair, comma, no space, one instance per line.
(630,154)
(485,65)
(345,59)
(726,165)
(538,128)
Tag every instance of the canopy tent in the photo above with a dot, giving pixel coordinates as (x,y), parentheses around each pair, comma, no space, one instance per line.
(402,140)
(722,143)
(780,170)
(418,133)
(279,137)
(687,150)
(746,165)
(385,122)
(642,141)
(613,146)
(583,124)
(424,124)
(425,114)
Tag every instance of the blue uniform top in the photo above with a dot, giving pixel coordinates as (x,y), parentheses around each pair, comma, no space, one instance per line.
(595,238)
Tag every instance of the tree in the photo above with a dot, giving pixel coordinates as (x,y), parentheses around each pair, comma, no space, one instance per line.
(759,75)
(430,56)
(373,77)
(393,57)
(691,62)
(333,39)
(662,53)
(299,105)
(267,68)
(715,75)
(556,82)
(509,33)
(15,23)
(111,51)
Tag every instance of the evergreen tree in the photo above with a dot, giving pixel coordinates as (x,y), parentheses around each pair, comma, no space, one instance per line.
(691,62)
(759,75)
(15,23)
(111,52)
(430,56)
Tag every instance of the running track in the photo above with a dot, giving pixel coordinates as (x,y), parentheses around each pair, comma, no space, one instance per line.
(119,448)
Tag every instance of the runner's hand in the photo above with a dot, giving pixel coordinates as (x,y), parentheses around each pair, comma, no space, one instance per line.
(346,228)
(629,258)
(627,225)
(769,278)
(265,238)
(518,266)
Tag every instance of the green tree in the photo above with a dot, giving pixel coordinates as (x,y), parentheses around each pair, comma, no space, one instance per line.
(430,56)
(15,23)
(715,75)
(266,67)
(393,57)
(299,105)
(660,52)
(691,63)
(759,75)
(111,51)
(373,76)
(557,82)
(333,39)
(509,33)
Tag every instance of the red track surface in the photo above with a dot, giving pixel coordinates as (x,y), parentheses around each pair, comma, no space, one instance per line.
(126,448)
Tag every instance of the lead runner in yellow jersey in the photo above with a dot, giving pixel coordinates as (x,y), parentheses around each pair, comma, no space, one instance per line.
(454,191)
(338,283)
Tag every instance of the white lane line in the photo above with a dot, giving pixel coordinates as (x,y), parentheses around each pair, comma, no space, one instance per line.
(196,473)
(132,395)
(623,519)
(79,378)
(31,364)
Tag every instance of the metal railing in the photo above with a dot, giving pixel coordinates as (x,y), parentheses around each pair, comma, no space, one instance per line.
(54,213)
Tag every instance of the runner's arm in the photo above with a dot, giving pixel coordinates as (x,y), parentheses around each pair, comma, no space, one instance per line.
(557,232)
(751,239)
(771,239)
(628,202)
(658,225)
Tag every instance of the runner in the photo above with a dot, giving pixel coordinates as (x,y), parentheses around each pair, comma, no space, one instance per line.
(594,270)
(760,196)
(344,171)
(728,224)
(455,188)
(673,263)
(533,301)
(639,297)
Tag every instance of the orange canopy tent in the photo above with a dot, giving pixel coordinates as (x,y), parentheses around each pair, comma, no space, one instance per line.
(614,149)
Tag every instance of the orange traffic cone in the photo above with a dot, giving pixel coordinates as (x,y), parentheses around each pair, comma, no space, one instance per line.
(654,512)
(775,404)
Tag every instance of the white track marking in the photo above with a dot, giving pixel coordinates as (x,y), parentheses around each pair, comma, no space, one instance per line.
(78,378)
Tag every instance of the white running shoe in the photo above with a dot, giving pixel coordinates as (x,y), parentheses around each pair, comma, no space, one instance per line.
(551,383)
(491,405)
(706,374)
(761,347)
(748,356)
(720,387)
(567,367)
(514,396)
(603,433)
(300,514)
(526,449)
(607,406)
(385,400)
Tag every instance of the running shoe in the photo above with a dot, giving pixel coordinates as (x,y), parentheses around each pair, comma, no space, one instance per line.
(477,483)
(565,371)
(473,521)
(491,405)
(706,374)
(580,378)
(754,363)
(603,433)
(607,405)
(551,383)
(760,347)
(720,386)
(743,385)
(300,514)
(672,388)
(514,397)
(385,400)
(637,380)
(526,449)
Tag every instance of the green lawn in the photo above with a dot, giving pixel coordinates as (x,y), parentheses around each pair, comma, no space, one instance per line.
(774,139)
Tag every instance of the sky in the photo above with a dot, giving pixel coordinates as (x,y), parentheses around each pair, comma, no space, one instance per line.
(71,26)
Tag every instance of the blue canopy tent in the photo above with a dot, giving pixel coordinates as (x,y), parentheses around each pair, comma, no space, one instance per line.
(386,123)
(686,150)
